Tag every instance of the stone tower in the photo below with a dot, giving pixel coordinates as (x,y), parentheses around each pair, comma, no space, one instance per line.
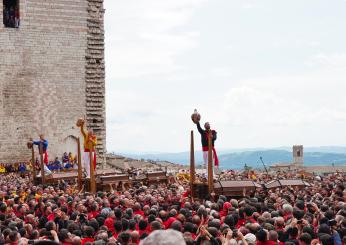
(52,72)
(298,156)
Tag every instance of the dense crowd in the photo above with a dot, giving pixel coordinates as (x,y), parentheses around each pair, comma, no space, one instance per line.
(20,167)
(67,162)
(166,214)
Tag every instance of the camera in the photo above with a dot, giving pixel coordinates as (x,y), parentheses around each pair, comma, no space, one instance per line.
(235,233)
(82,218)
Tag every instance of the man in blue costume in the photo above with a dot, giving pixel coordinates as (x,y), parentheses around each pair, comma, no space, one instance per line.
(42,141)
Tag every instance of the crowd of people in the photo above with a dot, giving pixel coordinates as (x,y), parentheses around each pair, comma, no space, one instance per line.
(167,214)
(67,162)
(12,168)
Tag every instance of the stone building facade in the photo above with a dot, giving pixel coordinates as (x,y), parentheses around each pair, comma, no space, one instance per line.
(52,72)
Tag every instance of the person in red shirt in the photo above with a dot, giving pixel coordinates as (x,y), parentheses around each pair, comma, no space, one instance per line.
(88,233)
(49,213)
(273,238)
(225,208)
(248,215)
(109,222)
(261,237)
(142,226)
(94,211)
(137,209)
(118,227)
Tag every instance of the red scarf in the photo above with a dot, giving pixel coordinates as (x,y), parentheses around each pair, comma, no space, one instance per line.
(216,159)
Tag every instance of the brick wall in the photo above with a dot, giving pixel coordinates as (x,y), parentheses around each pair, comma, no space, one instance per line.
(45,81)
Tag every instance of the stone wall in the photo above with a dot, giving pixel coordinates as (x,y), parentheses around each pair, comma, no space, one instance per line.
(48,74)
(95,75)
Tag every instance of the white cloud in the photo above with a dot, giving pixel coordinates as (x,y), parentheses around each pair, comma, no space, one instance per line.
(142,39)
(330,61)
(260,83)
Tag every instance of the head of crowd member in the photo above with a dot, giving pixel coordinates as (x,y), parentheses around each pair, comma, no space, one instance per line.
(164,237)
(142,225)
(134,237)
(288,210)
(261,236)
(326,239)
(155,225)
(250,238)
(293,234)
(124,238)
(305,239)
(273,236)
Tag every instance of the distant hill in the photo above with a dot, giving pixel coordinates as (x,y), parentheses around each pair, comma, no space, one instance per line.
(251,158)
(236,158)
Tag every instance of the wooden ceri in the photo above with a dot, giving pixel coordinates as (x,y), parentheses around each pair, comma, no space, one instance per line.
(92,174)
(33,163)
(79,165)
(209,168)
(210,163)
(192,164)
(42,163)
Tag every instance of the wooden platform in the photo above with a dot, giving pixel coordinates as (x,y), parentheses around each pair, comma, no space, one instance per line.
(157,177)
(103,178)
(278,183)
(234,188)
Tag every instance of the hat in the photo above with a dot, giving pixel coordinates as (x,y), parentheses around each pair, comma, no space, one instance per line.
(250,238)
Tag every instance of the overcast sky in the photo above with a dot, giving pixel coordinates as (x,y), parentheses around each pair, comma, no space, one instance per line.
(265,73)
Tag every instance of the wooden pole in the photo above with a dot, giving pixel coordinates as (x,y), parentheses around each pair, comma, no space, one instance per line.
(33,163)
(192,164)
(210,163)
(79,165)
(42,163)
(92,174)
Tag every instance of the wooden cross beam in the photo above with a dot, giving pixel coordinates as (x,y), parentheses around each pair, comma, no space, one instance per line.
(42,163)
(192,164)
(79,165)
(33,164)
(92,174)
(210,163)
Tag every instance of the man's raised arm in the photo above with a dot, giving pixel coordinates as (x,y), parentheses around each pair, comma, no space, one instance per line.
(200,130)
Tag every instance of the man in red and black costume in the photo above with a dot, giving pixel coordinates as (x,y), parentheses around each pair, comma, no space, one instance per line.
(205,146)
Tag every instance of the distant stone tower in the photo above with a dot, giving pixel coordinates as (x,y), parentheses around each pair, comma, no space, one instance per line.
(298,155)
(52,72)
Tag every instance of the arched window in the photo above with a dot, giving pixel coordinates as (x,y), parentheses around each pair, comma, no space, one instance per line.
(11,13)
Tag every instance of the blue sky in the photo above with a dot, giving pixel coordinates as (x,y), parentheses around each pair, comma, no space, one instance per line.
(264,73)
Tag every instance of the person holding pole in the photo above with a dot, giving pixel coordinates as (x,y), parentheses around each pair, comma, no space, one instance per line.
(42,144)
(90,141)
(204,139)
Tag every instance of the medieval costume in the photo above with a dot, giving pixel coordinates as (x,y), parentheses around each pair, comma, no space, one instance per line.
(205,144)
(90,141)
(44,152)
